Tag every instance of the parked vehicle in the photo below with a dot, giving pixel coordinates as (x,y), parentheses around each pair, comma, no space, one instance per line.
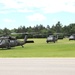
(72,37)
(8,42)
(51,38)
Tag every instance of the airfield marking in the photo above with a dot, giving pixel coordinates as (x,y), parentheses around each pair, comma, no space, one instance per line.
(37,66)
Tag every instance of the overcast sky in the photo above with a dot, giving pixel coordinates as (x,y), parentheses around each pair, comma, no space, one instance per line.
(14,13)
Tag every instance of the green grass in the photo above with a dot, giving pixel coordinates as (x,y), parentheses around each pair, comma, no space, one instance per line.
(62,48)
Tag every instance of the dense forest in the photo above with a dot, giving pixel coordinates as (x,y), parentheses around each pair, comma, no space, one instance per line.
(39,31)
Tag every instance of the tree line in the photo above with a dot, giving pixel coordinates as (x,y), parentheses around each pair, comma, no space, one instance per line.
(40,31)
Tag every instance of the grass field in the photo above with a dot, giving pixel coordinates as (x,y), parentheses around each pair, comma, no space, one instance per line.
(62,48)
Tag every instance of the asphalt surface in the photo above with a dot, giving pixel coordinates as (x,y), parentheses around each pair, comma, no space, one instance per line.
(37,66)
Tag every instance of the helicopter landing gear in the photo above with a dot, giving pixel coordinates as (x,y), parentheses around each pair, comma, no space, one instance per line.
(7,47)
(22,46)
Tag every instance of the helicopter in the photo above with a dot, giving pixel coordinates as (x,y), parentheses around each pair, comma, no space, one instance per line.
(51,38)
(9,41)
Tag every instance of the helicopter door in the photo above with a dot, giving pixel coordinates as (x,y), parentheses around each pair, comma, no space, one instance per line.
(7,43)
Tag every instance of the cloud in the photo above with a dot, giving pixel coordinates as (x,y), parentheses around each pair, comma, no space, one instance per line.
(46,6)
(36,17)
(10,4)
(59,6)
(8,20)
(3,12)
(24,10)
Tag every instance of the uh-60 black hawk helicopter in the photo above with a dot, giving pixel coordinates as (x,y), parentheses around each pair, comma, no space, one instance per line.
(8,42)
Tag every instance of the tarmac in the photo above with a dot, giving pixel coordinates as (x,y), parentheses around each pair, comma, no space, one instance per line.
(37,66)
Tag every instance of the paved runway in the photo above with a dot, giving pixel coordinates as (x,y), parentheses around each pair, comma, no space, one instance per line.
(37,66)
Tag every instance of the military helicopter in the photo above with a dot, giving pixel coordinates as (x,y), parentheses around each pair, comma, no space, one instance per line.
(8,42)
(51,38)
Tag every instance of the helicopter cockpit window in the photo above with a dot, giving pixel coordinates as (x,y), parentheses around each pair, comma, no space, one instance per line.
(2,42)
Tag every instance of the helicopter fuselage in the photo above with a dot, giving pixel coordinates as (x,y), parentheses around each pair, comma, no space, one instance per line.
(11,42)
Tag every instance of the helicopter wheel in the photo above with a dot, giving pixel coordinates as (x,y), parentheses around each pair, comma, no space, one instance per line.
(54,41)
(22,46)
